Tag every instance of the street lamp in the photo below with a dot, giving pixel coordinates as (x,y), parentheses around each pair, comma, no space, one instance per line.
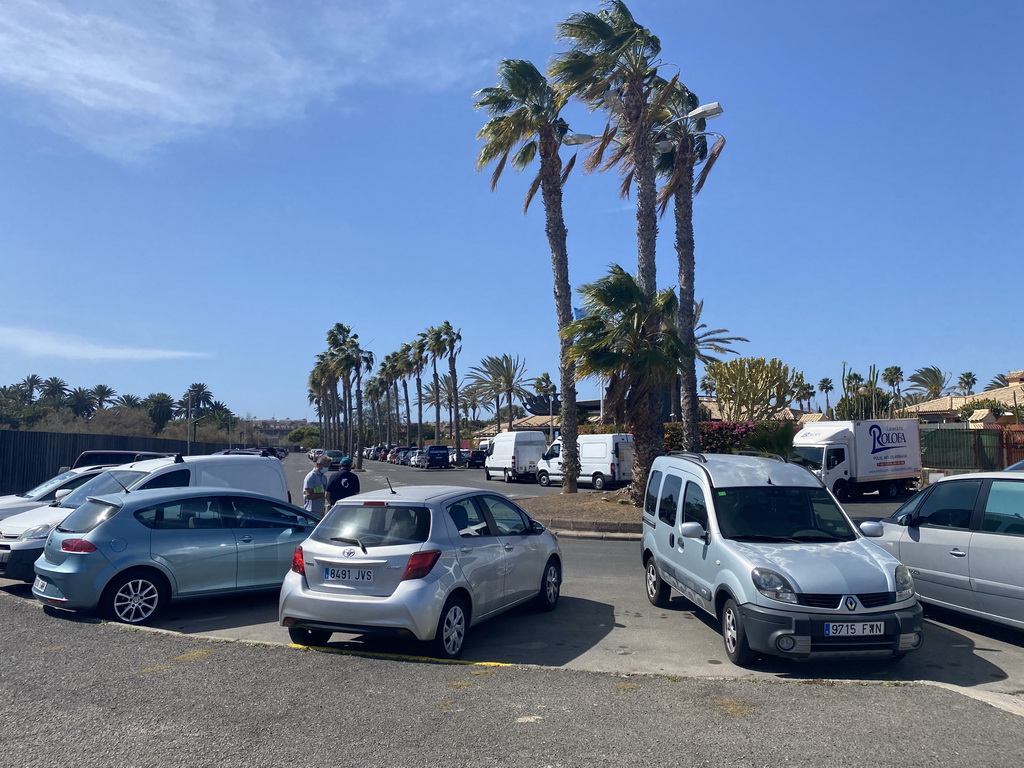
(552,392)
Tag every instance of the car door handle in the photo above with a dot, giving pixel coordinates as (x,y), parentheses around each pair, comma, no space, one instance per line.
(465,550)
(509,548)
(246,539)
(957,552)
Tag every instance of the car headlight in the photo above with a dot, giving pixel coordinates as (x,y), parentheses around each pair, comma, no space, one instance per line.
(38,532)
(773,585)
(904,583)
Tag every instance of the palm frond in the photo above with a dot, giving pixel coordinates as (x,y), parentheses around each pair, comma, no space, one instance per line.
(566,170)
(716,150)
(534,186)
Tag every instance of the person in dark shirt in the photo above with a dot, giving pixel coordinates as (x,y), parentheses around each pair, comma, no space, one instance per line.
(343,483)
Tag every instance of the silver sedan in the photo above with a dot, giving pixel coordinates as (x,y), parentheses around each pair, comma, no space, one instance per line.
(424,563)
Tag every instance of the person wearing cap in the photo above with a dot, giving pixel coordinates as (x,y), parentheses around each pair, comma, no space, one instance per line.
(314,487)
(343,483)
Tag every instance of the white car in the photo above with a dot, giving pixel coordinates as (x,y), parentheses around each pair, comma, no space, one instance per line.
(423,562)
(49,492)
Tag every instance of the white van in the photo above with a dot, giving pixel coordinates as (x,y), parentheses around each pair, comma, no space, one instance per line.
(514,455)
(23,536)
(604,460)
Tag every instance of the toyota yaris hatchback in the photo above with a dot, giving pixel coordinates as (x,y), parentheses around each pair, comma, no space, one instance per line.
(424,563)
(764,548)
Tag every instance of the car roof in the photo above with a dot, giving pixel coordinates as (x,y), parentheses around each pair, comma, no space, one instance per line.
(149,465)
(726,470)
(1001,475)
(157,495)
(422,494)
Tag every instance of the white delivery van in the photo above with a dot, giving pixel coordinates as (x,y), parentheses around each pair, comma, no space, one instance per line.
(855,457)
(514,455)
(604,460)
(23,536)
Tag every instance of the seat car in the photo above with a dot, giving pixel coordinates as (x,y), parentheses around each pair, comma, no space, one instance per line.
(963,540)
(127,555)
(420,562)
(763,547)
(47,492)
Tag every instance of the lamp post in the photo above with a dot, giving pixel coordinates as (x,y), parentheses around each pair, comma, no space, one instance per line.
(552,392)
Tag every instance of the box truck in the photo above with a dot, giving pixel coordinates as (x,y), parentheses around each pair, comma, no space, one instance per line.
(605,460)
(855,457)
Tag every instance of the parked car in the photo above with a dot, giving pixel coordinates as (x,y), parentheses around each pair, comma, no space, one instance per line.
(418,458)
(22,536)
(127,555)
(335,457)
(48,492)
(763,547)
(475,459)
(423,562)
(314,453)
(963,539)
(437,457)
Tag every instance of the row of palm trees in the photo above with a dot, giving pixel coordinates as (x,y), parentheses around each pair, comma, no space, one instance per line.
(33,398)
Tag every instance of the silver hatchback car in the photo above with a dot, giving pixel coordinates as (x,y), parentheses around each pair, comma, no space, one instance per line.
(424,563)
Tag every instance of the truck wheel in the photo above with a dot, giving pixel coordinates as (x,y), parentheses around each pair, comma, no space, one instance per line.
(841,490)
(892,489)
(543,479)
(487,474)
(599,482)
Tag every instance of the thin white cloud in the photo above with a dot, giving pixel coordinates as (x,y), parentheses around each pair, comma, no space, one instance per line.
(33,343)
(125,78)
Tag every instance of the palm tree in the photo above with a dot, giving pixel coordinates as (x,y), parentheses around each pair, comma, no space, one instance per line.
(544,386)
(103,395)
(405,367)
(615,340)
(53,390)
(966,383)
(127,401)
(825,386)
(31,383)
(999,381)
(893,376)
(499,376)
(202,398)
(930,382)
(435,346)
(525,111)
(418,355)
(711,340)
(160,406)
(82,402)
(452,343)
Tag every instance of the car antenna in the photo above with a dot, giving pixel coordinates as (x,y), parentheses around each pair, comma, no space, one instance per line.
(389,485)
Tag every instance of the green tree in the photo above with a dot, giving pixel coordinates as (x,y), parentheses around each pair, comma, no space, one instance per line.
(525,118)
(31,383)
(160,407)
(500,376)
(999,381)
(825,386)
(102,395)
(966,383)
(930,382)
(630,339)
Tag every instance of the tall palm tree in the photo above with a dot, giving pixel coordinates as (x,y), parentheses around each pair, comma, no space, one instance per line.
(362,359)
(127,401)
(930,382)
(825,386)
(435,345)
(452,343)
(103,395)
(503,375)
(966,383)
(525,111)
(707,340)
(53,390)
(31,383)
(418,355)
(999,381)
(374,391)
(405,367)
(160,406)
(82,402)
(893,377)
(615,340)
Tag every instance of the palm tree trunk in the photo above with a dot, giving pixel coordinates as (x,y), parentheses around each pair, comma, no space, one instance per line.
(688,398)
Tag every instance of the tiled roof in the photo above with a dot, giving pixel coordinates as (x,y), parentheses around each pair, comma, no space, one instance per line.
(1009,396)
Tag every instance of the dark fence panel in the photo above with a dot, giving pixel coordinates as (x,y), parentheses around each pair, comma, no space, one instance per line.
(979,450)
(29,458)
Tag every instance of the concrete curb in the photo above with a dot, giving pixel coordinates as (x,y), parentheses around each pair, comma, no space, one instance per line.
(593,529)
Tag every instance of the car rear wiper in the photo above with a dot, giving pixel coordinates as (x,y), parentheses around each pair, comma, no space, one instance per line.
(346,540)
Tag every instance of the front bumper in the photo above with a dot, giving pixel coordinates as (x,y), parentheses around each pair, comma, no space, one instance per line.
(799,635)
(16,564)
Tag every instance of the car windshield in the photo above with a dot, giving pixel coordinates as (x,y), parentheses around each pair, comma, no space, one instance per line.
(88,515)
(810,456)
(43,488)
(367,526)
(781,514)
(111,481)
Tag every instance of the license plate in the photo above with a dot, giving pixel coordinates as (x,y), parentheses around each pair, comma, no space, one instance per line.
(39,584)
(360,575)
(855,629)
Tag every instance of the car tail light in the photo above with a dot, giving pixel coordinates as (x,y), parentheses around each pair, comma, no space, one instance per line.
(513,463)
(420,564)
(81,546)
(298,564)
(611,469)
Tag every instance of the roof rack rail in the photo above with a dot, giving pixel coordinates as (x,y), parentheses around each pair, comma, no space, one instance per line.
(763,455)
(691,455)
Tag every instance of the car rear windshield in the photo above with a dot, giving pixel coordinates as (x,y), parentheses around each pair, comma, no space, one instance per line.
(438,449)
(111,481)
(780,514)
(374,526)
(88,515)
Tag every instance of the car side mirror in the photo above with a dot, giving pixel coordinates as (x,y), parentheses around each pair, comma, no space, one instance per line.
(872,529)
(537,527)
(693,531)
(62,494)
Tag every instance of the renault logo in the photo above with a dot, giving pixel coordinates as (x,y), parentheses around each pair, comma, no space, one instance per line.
(851,604)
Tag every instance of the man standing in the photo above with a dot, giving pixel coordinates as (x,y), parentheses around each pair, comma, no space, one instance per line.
(343,483)
(314,487)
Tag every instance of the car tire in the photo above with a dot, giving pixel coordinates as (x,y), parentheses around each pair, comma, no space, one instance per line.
(543,479)
(734,636)
(452,625)
(508,476)
(550,586)
(599,482)
(658,592)
(309,637)
(136,597)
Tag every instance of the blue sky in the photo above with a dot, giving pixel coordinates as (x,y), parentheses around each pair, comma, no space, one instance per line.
(196,190)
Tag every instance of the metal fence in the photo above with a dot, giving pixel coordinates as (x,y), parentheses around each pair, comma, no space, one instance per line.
(967,450)
(29,458)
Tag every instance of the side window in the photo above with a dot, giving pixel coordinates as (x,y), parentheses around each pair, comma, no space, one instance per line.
(835,457)
(508,519)
(695,508)
(949,505)
(651,499)
(245,512)
(179,478)
(1004,510)
(468,518)
(187,514)
(669,503)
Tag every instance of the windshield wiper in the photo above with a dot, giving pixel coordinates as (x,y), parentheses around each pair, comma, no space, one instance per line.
(346,540)
(757,537)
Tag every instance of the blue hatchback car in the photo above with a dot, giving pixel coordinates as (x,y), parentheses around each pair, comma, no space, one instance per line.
(128,555)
